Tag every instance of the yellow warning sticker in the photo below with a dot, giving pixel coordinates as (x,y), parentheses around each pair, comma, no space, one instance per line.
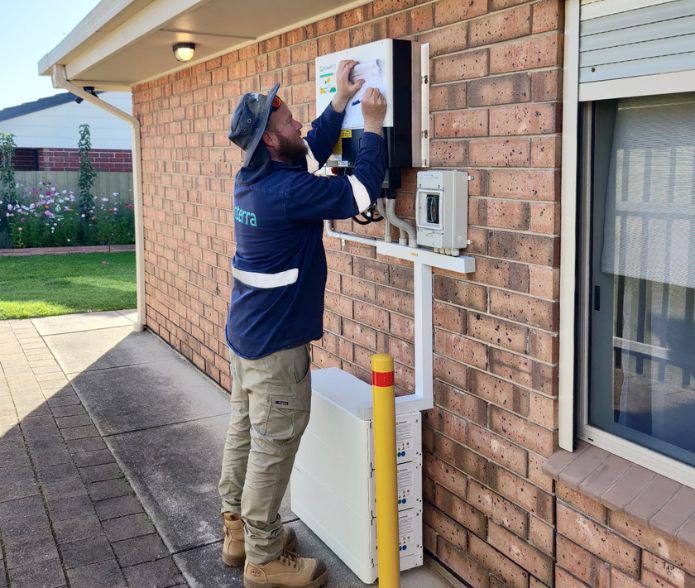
(346,134)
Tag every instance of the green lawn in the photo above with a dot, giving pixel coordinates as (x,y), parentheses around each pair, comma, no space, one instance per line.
(46,285)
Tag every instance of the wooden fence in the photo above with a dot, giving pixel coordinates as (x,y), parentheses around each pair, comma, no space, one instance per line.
(106,182)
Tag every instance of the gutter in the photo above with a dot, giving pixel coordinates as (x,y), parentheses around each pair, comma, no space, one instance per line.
(60,80)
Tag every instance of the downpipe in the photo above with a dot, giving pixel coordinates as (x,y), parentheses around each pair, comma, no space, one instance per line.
(60,80)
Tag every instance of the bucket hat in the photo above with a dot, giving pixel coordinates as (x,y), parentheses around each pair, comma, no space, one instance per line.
(250,119)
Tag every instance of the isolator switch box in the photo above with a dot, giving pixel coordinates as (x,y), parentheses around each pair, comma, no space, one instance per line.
(442,210)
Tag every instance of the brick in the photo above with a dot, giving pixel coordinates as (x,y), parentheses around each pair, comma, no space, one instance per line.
(541,535)
(504,274)
(658,543)
(545,218)
(448,154)
(456,454)
(664,573)
(503,214)
(447,97)
(535,249)
(544,282)
(459,510)
(450,372)
(499,152)
(465,566)
(500,26)
(451,11)
(497,563)
(582,564)
(522,431)
(522,492)
(499,90)
(566,580)
(461,66)
(445,475)
(460,403)
(497,508)
(519,551)
(497,449)
(497,332)
(448,317)
(598,540)
(468,123)
(524,309)
(128,526)
(118,507)
(446,40)
(528,53)
(460,348)
(526,119)
(499,392)
(459,292)
(546,85)
(623,581)
(445,526)
(548,16)
(445,422)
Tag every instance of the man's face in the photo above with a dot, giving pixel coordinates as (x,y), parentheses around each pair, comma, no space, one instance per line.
(288,144)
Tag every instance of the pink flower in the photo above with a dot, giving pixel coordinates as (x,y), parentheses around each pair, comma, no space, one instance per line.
(49,214)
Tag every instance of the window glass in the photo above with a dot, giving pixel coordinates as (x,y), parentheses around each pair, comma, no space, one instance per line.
(642,317)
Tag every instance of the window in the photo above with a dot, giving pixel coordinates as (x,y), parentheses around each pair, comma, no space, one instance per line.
(635,355)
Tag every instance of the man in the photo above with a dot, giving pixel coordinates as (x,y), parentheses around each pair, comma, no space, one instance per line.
(277,310)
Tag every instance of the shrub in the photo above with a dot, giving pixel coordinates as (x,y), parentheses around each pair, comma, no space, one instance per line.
(48,217)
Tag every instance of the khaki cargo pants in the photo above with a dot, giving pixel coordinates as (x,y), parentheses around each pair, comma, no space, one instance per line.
(270,403)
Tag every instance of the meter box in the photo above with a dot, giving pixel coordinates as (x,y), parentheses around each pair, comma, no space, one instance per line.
(332,487)
(441,210)
(394,67)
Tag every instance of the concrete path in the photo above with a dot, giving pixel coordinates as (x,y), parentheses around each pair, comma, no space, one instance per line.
(110,444)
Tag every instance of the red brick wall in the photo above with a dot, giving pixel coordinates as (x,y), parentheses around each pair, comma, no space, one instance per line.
(25,159)
(103,160)
(491,515)
(597,546)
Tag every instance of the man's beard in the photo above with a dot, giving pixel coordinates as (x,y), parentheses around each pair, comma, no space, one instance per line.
(292,151)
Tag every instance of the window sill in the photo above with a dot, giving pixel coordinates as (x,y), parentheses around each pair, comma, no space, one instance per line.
(653,499)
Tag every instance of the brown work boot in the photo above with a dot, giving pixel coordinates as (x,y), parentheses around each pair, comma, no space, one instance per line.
(233,552)
(287,571)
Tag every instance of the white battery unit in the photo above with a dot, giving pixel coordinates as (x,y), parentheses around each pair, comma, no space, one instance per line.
(441,210)
(333,487)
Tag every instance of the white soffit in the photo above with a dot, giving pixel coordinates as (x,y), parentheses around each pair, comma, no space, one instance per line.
(124,42)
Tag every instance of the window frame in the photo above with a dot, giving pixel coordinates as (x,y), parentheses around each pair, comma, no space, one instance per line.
(577,149)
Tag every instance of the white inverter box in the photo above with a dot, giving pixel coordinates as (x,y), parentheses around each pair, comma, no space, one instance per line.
(333,482)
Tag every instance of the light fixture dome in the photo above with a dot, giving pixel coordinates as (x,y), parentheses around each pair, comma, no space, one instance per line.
(184,51)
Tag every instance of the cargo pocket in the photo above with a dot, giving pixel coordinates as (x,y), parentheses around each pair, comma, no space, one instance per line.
(288,410)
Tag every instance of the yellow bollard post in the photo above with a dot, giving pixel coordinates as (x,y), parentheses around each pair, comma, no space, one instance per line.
(388,555)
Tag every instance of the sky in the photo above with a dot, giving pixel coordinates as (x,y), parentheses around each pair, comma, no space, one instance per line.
(32,28)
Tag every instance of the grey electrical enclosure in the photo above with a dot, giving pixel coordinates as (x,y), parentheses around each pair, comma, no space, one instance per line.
(442,210)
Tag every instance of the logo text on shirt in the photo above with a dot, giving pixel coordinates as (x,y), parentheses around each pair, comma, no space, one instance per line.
(244,216)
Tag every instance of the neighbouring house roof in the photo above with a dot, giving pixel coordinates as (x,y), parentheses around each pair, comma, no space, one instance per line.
(124,42)
(36,105)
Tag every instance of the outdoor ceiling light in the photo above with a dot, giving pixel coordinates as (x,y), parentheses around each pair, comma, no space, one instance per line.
(184,51)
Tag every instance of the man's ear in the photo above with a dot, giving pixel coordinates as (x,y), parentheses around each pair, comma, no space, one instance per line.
(269,139)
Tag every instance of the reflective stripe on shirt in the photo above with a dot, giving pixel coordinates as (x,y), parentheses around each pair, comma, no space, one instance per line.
(259,280)
(360,194)
(311,164)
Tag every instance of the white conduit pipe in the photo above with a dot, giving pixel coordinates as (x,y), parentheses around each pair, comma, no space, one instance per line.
(60,80)
(387,223)
(400,223)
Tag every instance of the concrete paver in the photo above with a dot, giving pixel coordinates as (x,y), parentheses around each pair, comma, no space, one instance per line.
(85,400)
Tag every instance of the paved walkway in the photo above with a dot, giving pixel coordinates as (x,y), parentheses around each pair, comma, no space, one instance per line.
(110,444)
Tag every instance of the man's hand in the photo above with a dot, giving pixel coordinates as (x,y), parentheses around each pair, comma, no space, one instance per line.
(373,110)
(345,89)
